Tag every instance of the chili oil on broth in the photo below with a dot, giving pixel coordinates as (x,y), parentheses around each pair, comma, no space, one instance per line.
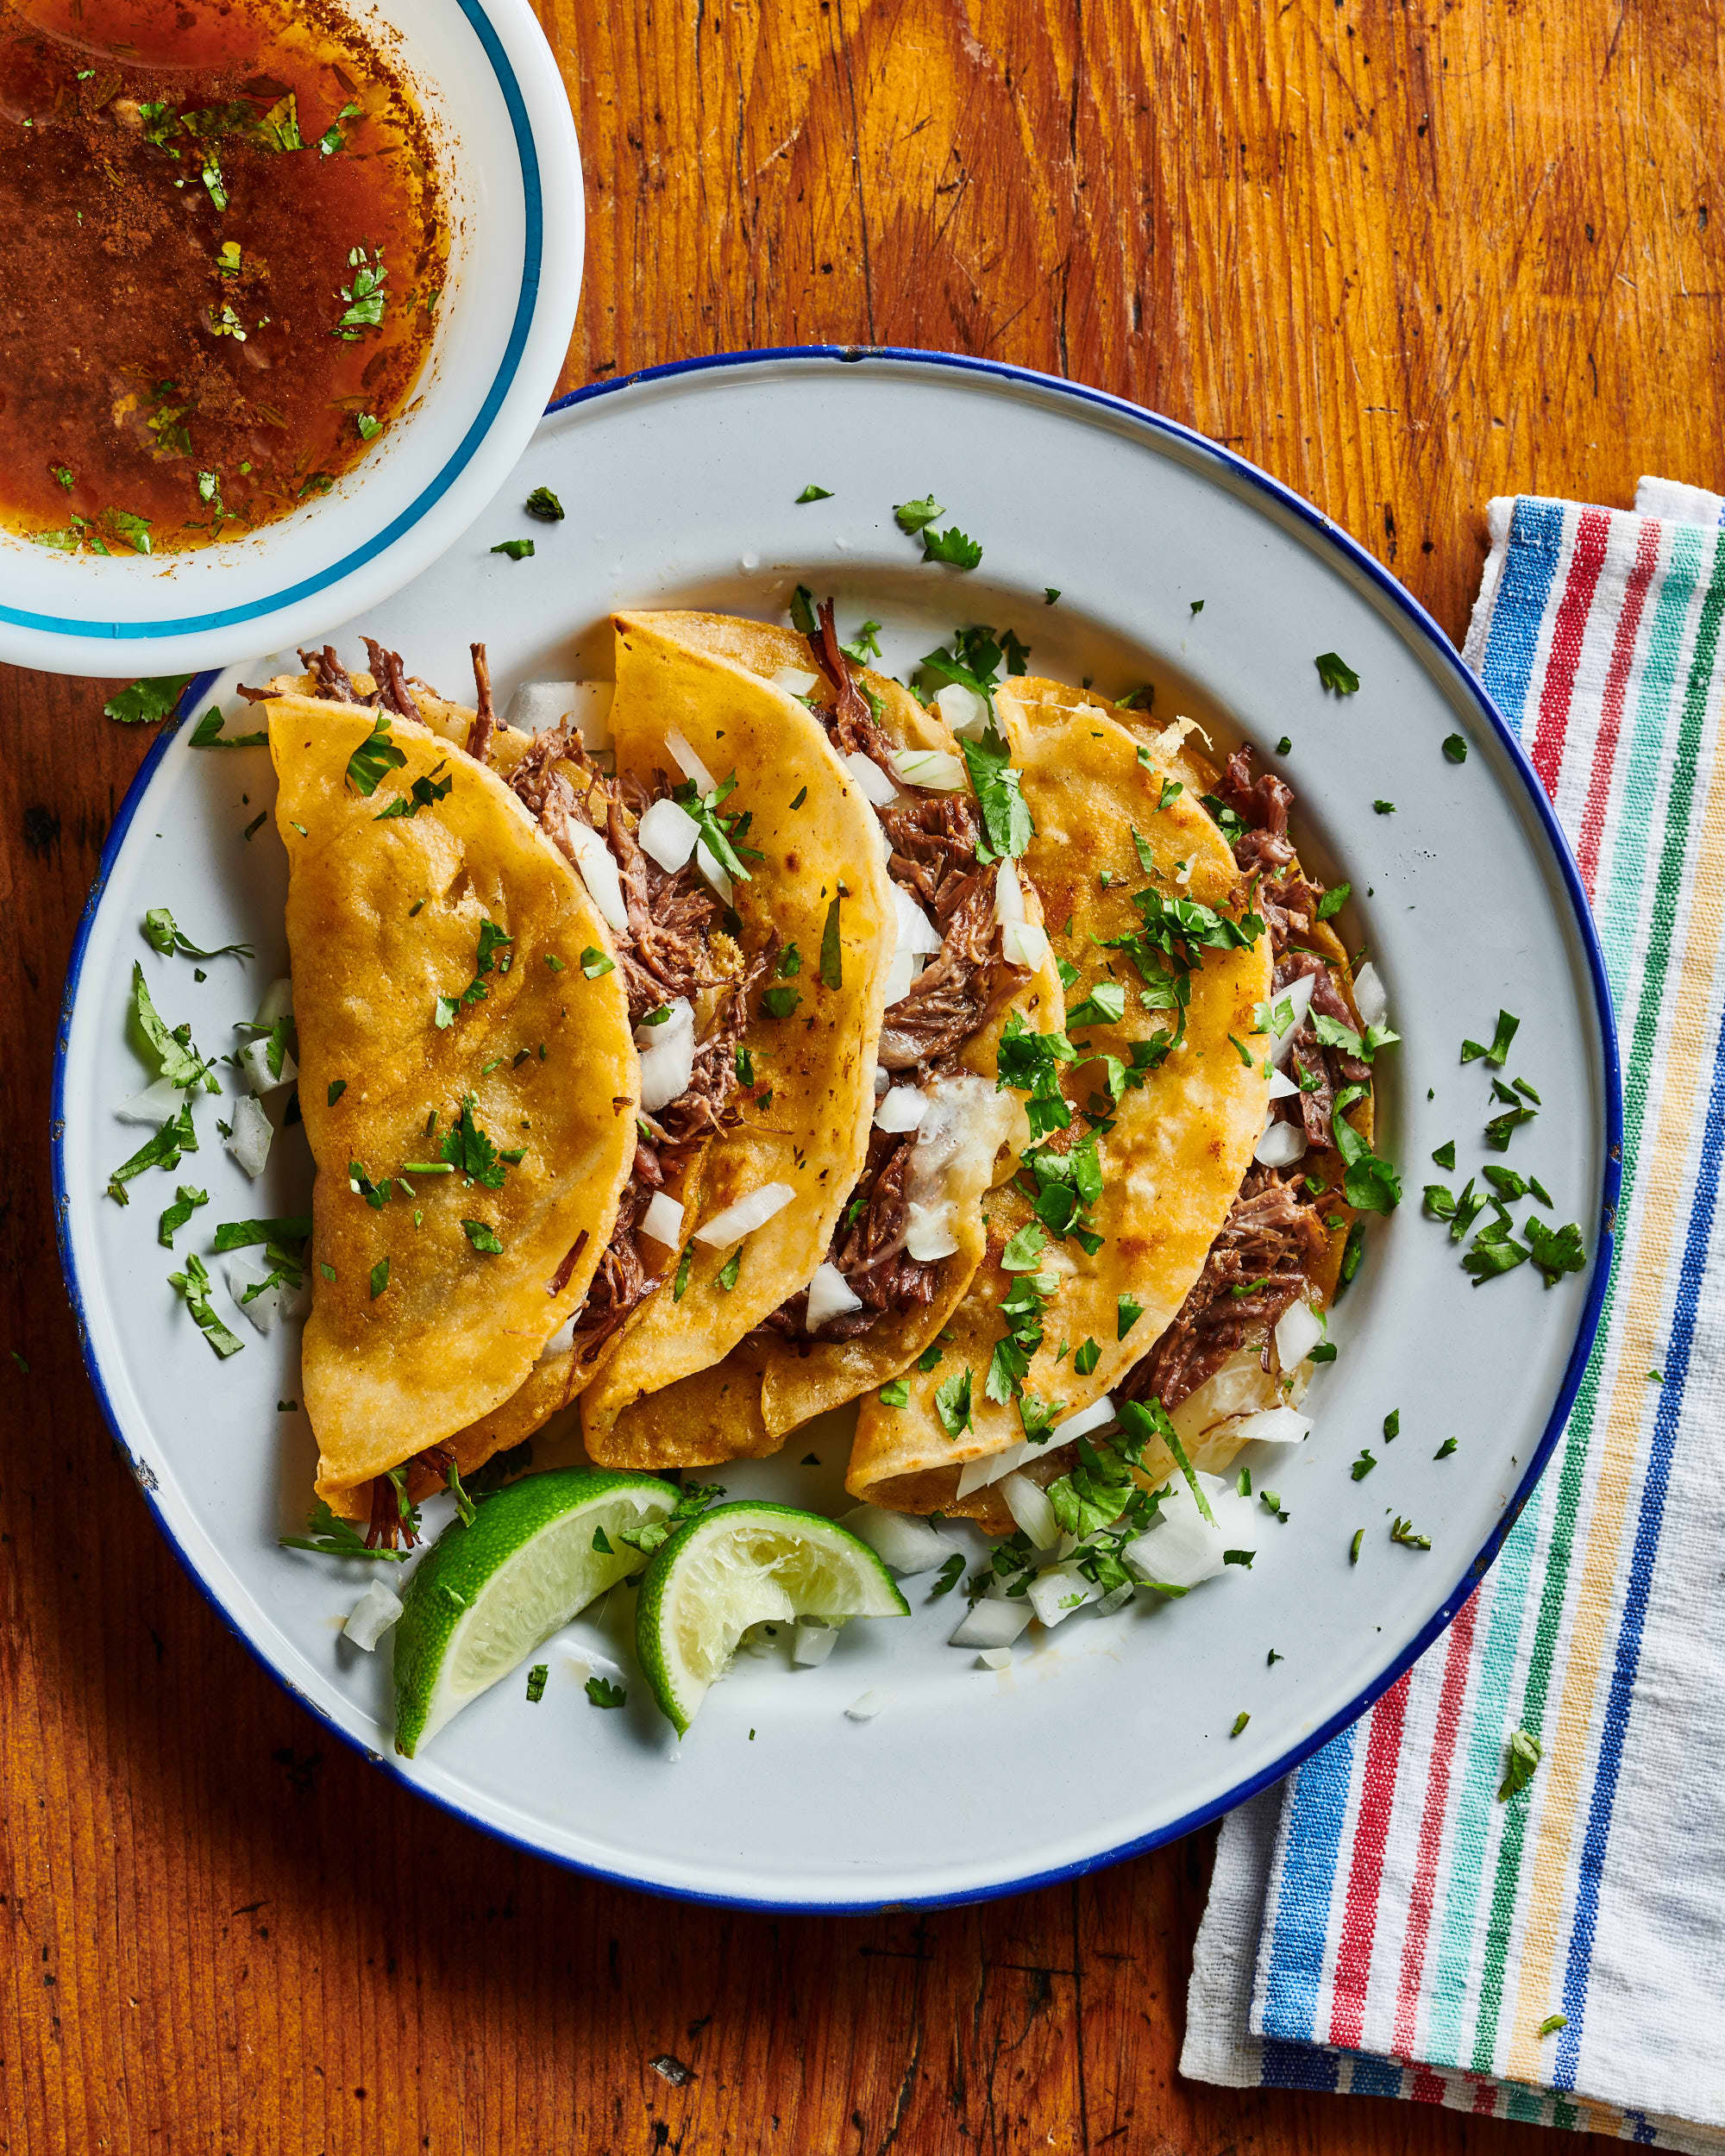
(225,240)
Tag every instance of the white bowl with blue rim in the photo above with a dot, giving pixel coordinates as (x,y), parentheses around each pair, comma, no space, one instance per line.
(495,103)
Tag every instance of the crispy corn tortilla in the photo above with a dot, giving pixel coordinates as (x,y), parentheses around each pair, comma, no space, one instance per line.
(819,1060)
(1180,1143)
(450,1333)
(796,1384)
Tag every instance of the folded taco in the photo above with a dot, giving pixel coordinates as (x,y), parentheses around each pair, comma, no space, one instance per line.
(468,1087)
(968,958)
(1144,1114)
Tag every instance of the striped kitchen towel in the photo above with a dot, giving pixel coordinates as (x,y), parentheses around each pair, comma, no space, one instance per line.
(1381,1923)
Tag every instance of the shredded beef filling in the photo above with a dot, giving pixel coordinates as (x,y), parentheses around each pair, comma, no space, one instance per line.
(1257,1266)
(933,839)
(664,954)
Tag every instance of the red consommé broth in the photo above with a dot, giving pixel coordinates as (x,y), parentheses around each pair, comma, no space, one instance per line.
(188,188)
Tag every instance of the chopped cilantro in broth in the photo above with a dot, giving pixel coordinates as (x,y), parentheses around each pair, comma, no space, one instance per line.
(181,230)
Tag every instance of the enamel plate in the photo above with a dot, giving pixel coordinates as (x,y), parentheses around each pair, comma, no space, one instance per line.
(1108,1734)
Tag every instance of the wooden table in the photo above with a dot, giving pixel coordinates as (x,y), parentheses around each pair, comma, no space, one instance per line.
(1405,256)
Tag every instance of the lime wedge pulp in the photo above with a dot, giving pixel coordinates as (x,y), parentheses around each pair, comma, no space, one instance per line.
(744,1564)
(484,1597)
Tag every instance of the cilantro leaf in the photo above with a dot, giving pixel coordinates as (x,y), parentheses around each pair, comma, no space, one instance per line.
(602,1693)
(1104,1004)
(517,549)
(952,1403)
(148,701)
(162,933)
(831,953)
(424,793)
(1334,672)
(1371,1184)
(176,1216)
(1521,1755)
(207,734)
(193,1286)
(483,1238)
(952,546)
(814,493)
(999,795)
(543,504)
(335,1537)
(1554,1252)
(375,754)
(1455,748)
(911,517)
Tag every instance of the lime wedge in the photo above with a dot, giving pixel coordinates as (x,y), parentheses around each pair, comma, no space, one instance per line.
(740,1566)
(484,1597)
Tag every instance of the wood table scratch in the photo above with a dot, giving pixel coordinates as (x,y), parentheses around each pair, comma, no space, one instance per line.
(1403,253)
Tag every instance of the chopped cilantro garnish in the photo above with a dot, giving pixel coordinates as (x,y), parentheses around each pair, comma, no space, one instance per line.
(1402,1532)
(536,1682)
(1554,1252)
(602,1693)
(1392,1425)
(162,933)
(912,516)
(176,1215)
(422,794)
(1371,1184)
(802,610)
(517,549)
(1444,1155)
(1455,748)
(1353,1547)
(207,734)
(1521,1755)
(1498,1054)
(729,1271)
(1128,1311)
(952,546)
(681,1281)
(483,1238)
(193,1286)
(1333,900)
(1551,2024)
(895,1393)
(595,962)
(1104,1004)
(814,493)
(1089,1353)
(375,754)
(543,504)
(365,294)
(778,1003)
(1334,672)
(831,952)
(999,795)
(148,701)
(1385,808)
(335,1537)
(948,1576)
(1445,1450)
(369,425)
(952,1403)
(1363,1466)
(929,1358)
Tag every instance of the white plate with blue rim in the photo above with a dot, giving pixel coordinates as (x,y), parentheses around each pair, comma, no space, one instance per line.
(494,104)
(1176,564)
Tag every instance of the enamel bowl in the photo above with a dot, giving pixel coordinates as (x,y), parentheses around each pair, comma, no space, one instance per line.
(489,90)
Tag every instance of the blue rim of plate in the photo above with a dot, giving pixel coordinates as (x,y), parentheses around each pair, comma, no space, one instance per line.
(1357,557)
(527,299)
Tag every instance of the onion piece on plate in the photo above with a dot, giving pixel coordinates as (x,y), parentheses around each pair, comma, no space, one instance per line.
(902,1108)
(667,1057)
(662,1222)
(934,770)
(253,1134)
(372,1616)
(668,833)
(872,783)
(687,761)
(598,870)
(964,711)
(1298,1331)
(993,1622)
(903,1542)
(829,1295)
(1281,1145)
(1031,1509)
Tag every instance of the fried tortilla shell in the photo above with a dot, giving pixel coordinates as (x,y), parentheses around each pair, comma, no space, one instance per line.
(418,1328)
(808,1133)
(1103,802)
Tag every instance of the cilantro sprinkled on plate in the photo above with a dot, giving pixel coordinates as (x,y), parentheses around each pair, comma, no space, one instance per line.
(1334,672)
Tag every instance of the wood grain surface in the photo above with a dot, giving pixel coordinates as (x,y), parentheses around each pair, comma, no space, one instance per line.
(1406,256)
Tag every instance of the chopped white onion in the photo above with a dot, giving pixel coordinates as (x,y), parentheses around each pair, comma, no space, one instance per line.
(964,711)
(1281,1145)
(537,705)
(1030,1510)
(865,1708)
(1298,1331)
(1297,995)
(156,1104)
(561,1340)
(746,1215)
(667,1057)
(977,1474)
(662,1222)
(995,1658)
(372,1616)
(1184,1549)
(1281,1086)
(1054,1594)
(928,1232)
(794,681)
(935,770)
(811,1642)
(278,1001)
(250,1143)
(279,1301)
(669,832)
(883,1078)
(829,1295)
(1086,1419)
(993,1622)
(707,862)
(253,1061)
(1116,1598)
(902,1108)
(598,870)
(1025,943)
(900,974)
(916,933)
(872,783)
(1274,1425)
(1009,904)
(904,1541)
(687,761)
(1369,997)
